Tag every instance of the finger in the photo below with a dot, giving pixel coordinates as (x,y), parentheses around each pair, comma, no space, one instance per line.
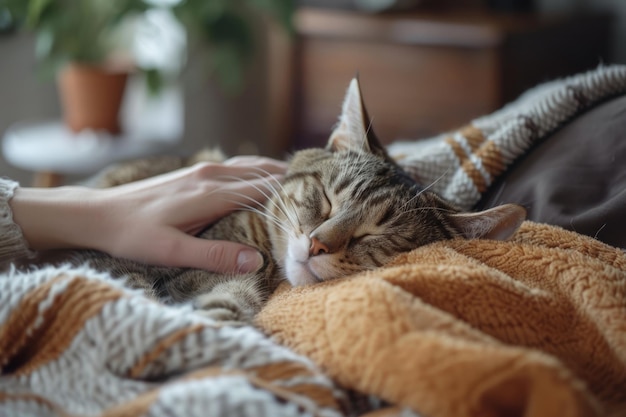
(248,192)
(268,165)
(218,202)
(203,171)
(213,255)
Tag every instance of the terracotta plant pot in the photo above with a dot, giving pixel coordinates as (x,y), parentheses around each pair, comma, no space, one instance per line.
(91,97)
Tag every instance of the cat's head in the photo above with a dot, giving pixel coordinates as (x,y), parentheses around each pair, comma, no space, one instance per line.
(349,207)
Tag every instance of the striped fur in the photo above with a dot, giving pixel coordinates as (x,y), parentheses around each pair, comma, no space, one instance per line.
(340,210)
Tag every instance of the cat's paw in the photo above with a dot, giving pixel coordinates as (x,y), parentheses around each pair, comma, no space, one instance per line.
(222,315)
(221,309)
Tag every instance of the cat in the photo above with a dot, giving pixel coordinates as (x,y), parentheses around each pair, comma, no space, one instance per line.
(340,210)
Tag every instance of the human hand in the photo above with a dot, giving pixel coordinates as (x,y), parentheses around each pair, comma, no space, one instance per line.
(152,220)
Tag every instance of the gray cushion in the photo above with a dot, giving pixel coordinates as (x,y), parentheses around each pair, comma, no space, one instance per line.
(575,178)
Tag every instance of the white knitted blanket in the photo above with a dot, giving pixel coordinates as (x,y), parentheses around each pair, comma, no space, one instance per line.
(75,343)
(461,165)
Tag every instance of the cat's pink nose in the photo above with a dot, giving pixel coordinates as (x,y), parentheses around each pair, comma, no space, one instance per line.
(317,247)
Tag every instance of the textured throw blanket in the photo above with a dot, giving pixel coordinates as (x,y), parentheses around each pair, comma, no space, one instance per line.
(461,165)
(74,343)
(531,327)
(535,326)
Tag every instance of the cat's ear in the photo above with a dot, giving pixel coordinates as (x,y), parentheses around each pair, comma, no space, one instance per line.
(354,130)
(498,223)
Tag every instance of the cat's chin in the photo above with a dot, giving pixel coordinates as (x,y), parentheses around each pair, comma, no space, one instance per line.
(299,273)
(311,271)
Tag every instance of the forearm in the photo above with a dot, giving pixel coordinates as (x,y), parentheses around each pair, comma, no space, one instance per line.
(56,218)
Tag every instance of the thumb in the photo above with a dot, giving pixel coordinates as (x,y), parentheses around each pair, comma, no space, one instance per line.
(214,255)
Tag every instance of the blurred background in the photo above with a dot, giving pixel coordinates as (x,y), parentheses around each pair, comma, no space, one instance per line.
(268,77)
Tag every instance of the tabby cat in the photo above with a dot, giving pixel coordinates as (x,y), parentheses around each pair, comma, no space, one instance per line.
(340,210)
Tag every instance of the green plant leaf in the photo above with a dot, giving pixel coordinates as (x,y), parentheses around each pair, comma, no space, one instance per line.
(79,30)
(154,80)
(36,9)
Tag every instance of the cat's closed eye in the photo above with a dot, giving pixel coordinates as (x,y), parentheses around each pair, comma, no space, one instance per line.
(365,233)
(326,206)
(355,240)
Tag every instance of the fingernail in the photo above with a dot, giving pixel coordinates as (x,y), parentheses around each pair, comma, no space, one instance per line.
(249,261)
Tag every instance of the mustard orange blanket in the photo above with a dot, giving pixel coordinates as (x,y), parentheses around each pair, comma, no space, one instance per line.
(535,326)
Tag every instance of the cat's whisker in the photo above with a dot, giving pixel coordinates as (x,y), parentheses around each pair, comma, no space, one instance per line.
(242,196)
(403,212)
(443,210)
(261,174)
(257,209)
(269,217)
(419,193)
(269,198)
(250,183)
(432,184)
(292,214)
(287,211)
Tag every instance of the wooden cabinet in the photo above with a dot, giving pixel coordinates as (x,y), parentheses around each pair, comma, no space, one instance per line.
(425,73)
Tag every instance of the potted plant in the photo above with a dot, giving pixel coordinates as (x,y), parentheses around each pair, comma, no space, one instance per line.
(75,41)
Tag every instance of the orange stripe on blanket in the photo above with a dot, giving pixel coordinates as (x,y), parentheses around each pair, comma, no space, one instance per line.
(473,136)
(287,370)
(281,370)
(25,347)
(475,175)
(161,347)
(267,376)
(32,398)
(322,396)
(487,151)
(141,404)
(464,159)
(309,396)
(458,150)
(492,162)
(492,159)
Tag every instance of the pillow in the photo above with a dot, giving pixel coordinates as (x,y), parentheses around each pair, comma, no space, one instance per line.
(574,178)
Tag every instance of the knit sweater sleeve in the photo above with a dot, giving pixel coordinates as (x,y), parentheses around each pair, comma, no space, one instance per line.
(12,242)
